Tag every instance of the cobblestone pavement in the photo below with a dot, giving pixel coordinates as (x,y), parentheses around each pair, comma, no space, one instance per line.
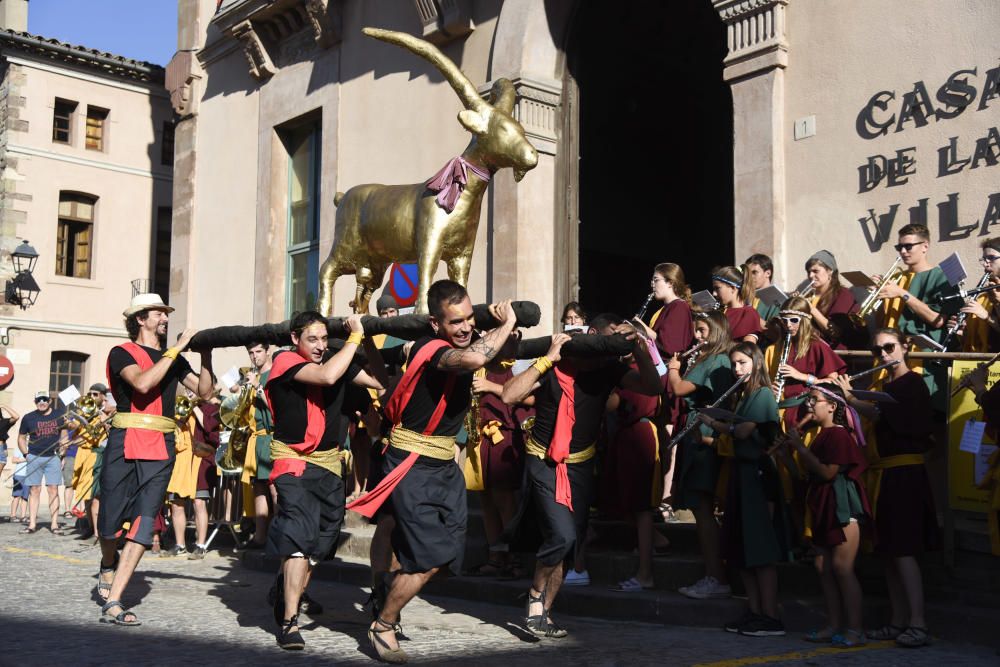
(213,611)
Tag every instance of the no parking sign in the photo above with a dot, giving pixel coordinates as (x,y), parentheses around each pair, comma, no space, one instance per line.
(403,284)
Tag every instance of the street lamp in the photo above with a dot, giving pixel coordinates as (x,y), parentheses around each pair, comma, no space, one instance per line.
(23,289)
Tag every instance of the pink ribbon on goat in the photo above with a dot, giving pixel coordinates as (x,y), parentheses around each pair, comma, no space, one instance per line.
(451,181)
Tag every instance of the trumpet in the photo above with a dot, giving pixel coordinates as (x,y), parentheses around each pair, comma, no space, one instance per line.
(183,406)
(871,301)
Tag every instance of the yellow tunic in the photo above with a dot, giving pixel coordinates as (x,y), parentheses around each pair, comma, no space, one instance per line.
(184,478)
(86,456)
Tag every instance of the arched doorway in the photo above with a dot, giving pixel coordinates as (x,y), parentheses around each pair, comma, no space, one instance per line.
(650,119)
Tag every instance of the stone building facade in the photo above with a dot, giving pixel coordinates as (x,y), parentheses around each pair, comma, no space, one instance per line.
(698,131)
(86,171)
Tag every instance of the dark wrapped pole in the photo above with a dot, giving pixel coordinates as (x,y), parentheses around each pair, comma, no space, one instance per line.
(406,327)
(580,346)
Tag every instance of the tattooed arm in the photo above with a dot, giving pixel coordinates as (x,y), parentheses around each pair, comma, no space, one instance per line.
(482,351)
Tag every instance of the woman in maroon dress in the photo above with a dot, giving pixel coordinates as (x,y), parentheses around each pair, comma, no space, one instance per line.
(837,505)
(733,288)
(900,488)
(672,328)
(832,304)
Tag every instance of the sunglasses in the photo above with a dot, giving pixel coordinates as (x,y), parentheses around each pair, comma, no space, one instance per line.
(42,400)
(792,319)
(989,259)
(888,348)
(900,247)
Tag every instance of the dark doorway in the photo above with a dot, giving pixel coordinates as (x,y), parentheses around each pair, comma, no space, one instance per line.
(656,146)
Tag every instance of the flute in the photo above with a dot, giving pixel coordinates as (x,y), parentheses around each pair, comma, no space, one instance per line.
(964,384)
(874,369)
(693,422)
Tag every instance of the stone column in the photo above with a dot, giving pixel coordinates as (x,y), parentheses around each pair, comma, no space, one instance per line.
(758,55)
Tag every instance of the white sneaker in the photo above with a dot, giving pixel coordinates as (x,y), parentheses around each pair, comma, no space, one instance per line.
(684,590)
(708,588)
(574,578)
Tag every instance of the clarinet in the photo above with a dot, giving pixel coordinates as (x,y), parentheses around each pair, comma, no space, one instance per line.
(642,311)
(779,381)
(961,317)
(692,418)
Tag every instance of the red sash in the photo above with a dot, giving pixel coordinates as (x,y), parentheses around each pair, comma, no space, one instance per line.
(558,449)
(141,443)
(315,416)
(368,504)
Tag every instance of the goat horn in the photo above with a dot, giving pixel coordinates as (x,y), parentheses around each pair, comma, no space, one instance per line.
(462,86)
(504,96)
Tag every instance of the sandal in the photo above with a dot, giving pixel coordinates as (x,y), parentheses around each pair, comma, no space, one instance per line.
(376,600)
(57,531)
(120,617)
(492,568)
(385,653)
(913,637)
(824,636)
(67,514)
(849,639)
(28,531)
(887,632)
(540,624)
(104,587)
(288,640)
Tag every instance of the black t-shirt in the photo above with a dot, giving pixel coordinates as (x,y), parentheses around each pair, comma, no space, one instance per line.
(288,403)
(591,389)
(42,431)
(427,393)
(119,360)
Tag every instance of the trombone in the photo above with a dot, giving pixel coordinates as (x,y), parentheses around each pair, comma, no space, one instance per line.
(871,301)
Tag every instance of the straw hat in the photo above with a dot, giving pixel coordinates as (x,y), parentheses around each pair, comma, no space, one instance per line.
(141,302)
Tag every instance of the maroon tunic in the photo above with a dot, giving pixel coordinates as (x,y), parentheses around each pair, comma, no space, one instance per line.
(743,321)
(674,333)
(628,474)
(820,361)
(503,462)
(834,445)
(905,518)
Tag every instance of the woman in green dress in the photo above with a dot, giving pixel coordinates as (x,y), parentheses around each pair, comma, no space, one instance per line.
(697,471)
(755,528)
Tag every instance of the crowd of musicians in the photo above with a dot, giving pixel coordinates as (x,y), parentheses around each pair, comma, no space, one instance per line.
(741,413)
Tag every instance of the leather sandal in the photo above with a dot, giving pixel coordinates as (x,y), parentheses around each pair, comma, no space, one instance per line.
(540,624)
(288,640)
(913,637)
(385,653)
(104,587)
(887,632)
(121,618)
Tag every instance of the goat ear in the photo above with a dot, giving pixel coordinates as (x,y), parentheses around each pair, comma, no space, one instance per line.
(474,121)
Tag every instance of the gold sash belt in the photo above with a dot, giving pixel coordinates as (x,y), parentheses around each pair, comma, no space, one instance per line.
(441,447)
(148,422)
(328,459)
(532,447)
(877,468)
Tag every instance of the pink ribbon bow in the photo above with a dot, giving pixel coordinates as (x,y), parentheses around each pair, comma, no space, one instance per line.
(451,181)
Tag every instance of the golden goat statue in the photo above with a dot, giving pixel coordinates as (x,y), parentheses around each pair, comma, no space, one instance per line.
(431,221)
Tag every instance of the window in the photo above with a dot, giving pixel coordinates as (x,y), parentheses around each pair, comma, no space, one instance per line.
(65,369)
(161,252)
(96,128)
(74,240)
(62,121)
(303,218)
(167,144)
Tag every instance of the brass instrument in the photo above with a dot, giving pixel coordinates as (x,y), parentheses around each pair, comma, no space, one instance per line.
(236,412)
(472,416)
(642,311)
(871,301)
(93,424)
(779,378)
(961,317)
(183,406)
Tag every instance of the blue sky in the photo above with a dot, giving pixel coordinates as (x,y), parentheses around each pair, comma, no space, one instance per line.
(140,29)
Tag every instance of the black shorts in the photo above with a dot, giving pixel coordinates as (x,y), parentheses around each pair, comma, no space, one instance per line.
(309,514)
(431,513)
(132,490)
(561,530)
